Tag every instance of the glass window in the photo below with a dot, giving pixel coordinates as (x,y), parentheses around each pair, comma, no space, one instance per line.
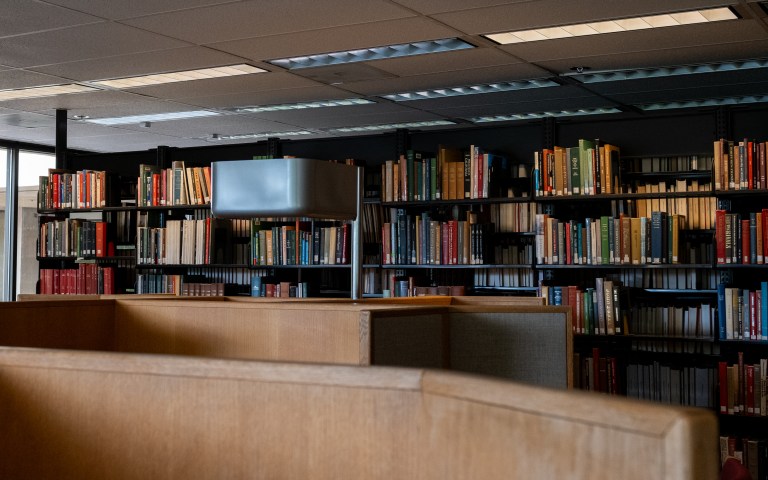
(32,165)
(3,173)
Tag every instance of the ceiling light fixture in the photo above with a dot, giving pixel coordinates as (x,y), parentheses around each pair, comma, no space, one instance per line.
(711,102)
(300,106)
(531,116)
(634,74)
(471,90)
(374,53)
(157,117)
(244,136)
(181,76)
(392,126)
(615,25)
(47,91)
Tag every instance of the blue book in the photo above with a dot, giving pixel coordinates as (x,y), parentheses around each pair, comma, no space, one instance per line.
(557,294)
(721,328)
(256,286)
(764,310)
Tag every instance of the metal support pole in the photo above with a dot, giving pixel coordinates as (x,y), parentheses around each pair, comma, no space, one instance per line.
(357,241)
(11,201)
(61,139)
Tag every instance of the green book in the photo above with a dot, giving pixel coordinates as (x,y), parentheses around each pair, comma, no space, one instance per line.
(586,147)
(605,241)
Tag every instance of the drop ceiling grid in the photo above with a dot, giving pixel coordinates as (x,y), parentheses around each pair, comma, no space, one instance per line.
(268,97)
(348,37)
(78,43)
(261,18)
(29,16)
(118,10)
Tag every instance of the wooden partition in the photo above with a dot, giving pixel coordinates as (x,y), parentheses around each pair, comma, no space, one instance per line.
(90,415)
(493,340)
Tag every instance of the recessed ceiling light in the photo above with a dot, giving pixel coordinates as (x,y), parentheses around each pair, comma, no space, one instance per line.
(47,91)
(157,117)
(616,25)
(244,136)
(634,74)
(558,113)
(182,76)
(711,102)
(305,105)
(374,53)
(392,126)
(80,117)
(470,90)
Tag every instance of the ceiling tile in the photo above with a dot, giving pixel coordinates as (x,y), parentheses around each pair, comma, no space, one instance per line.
(144,63)
(10,79)
(299,117)
(76,101)
(481,100)
(522,107)
(446,62)
(261,18)
(77,43)
(430,7)
(25,120)
(223,125)
(454,79)
(401,116)
(18,17)
(134,8)
(268,97)
(336,39)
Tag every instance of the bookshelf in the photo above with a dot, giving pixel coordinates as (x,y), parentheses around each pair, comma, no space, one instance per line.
(666,162)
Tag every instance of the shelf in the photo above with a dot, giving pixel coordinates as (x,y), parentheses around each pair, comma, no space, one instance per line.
(741,193)
(191,265)
(663,266)
(505,289)
(461,201)
(682,175)
(741,266)
(459,266)
(54,211)
(631,337)
(620,196)
(680,291)
(207,206)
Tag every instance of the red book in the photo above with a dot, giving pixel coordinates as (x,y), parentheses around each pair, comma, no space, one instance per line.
(750,170)
(720,236)
(572,295)
(101,239)
(155,189)
(750,388)
(455,242)
(614,380)
(109,280)
(764,217)
(55,184)
(385,247)
(722,374)
(745,241)
(568,252)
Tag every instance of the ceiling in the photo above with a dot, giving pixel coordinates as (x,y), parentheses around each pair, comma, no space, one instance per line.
(64,41)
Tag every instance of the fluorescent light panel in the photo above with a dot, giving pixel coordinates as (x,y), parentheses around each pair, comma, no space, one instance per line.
(612,26)
(47,91)
(243,136)
(712,102)
(610,76)
(530,116)
(392,126)
(183,76)
(157,117)
(300,106)
(470,90)
(374,53)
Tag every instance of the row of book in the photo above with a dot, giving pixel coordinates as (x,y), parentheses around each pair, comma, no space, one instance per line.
(599,310)
(741,239)
(744,387)
(752,453)
(504,277)
(300,244)
(740,165)
(178,185)
(421,240)
(669,164)
(742,314)
(73,237)
(177,285)
(86,279)
(265,286)
(597,372)
(694,321)
(185,242)
(452,174)
(673,385)
(514,217)
(590,168)
(609,240)
(668,278)
(697,211)
(73,190)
